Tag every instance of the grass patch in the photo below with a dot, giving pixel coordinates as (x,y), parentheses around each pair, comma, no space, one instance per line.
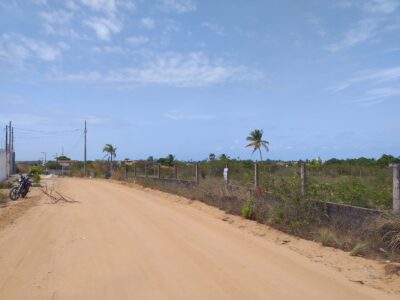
(5,185)
(327,238)
(248,208)
(3,198)
(360,249)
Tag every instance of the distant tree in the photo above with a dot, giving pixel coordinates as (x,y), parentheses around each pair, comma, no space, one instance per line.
(170,159)
(63,157)
(386,160)
(211,157)
(52,165)
(167,161)
(111,153)
(256,141)
(223,157)
(150,158)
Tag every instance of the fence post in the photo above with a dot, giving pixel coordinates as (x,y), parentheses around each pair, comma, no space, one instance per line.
(226,175)
(256,175)
(176,172)
(126,172)
(396,188)
(303,177)
(197,174)
(134,170)
(145,170)
(159,171)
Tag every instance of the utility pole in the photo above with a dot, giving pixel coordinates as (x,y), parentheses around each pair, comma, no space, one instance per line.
(6,138)
(10,151)
(85,152)
(45,158)
(7,173)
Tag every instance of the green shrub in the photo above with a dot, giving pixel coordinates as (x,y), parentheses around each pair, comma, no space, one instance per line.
(3,198)
(248,208)
(35,172)
(360,249)
(327,237)
(5,185)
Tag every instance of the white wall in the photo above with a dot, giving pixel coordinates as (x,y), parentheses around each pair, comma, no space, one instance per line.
(3,165)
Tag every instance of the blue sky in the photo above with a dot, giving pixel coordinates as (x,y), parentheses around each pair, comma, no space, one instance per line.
(322,78)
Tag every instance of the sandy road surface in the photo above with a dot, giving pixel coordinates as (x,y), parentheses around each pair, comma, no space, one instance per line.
(120,242)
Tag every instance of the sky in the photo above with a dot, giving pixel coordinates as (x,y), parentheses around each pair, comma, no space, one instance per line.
(191,77)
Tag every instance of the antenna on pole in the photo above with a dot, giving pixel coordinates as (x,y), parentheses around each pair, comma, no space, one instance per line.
(85,152)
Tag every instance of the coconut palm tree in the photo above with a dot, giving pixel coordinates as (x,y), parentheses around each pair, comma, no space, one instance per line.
(257,142)
(111,153)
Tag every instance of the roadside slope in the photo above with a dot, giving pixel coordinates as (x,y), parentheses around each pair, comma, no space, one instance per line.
(119,242)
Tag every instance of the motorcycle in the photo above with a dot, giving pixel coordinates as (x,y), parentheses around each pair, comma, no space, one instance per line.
(24,183)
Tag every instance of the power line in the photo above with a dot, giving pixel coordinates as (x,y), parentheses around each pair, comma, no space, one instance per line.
(48,131)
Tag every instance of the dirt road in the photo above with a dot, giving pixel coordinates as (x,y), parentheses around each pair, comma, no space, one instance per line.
(120,242)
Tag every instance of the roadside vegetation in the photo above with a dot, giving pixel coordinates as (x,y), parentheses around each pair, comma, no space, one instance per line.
(277,201)
(288,211)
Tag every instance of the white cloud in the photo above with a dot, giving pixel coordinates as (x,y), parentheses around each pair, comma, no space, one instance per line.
(147,23)
(191,70)
(65,31)
(363,31)
(179,6)
(57,16)
(371,77)
(215,28)
(378,95)
(108,6)
(381,6)
(371,6)
(376,79)
(17,48)
(177,115)
(70,4)
(110,50)
(104,27)
(39,2)
(137,40)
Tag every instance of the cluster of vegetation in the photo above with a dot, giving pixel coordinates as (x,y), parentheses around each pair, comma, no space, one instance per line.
(3,197)
(35,172)
(286,209)
(360,182)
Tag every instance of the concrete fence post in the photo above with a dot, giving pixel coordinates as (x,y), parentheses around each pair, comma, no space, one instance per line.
(176,172)
(228,177)
(197,174)
(303,177)
(256,176)
(145,170)
(159,171)
(134,170)
(396,188)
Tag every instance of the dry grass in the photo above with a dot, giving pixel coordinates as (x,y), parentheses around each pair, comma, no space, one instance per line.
(389,228)
(3,197)
(374,239)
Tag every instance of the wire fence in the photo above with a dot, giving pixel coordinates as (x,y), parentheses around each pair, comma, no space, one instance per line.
(366,186)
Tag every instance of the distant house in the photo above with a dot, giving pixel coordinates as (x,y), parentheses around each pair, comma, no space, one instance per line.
(281,164)
(128,162)
(65,164)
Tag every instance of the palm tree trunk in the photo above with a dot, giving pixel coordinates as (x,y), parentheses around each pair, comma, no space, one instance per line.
(259,149)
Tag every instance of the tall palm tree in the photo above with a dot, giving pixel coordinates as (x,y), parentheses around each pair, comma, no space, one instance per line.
(111,153)
(257,142)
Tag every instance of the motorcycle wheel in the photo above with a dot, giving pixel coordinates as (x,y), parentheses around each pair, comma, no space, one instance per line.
(14,193)
(24,193)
